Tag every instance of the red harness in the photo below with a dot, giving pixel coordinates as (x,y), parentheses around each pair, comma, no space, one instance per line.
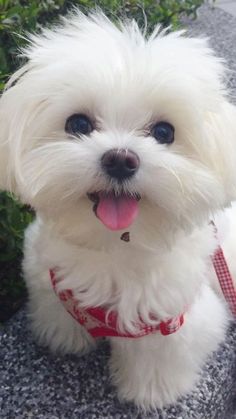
(99,322)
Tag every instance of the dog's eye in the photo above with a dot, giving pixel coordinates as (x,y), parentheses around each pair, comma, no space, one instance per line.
(163,132)
(78,124)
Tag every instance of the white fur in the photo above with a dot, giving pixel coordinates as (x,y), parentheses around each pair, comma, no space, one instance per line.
(125,83)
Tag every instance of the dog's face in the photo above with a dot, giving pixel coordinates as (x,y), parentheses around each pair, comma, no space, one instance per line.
(137,130)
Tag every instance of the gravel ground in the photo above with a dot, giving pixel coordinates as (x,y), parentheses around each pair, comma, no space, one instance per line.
(38,385)
(220,28)
(34,384)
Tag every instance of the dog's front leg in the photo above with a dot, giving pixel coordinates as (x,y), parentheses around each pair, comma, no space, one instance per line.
(51,323)
(155,370)
(150,371)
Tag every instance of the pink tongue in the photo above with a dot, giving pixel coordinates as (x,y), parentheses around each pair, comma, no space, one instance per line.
(117,213)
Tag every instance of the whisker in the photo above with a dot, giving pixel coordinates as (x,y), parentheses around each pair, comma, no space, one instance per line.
(177,178)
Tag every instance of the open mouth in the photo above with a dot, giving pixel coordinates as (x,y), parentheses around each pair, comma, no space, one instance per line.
(116,212)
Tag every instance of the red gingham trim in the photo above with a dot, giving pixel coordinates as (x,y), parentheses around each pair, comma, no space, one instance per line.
(98,323)
(225,279)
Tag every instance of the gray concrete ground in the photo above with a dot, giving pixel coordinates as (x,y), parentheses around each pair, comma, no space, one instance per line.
(228,6)
(35,384)
(220,27)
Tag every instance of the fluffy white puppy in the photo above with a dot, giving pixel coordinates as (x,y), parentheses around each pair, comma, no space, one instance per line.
(143,128)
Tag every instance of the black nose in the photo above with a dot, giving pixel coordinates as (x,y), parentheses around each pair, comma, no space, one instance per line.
(120,163)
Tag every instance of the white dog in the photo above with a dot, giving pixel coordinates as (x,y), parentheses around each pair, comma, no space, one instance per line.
(125,147)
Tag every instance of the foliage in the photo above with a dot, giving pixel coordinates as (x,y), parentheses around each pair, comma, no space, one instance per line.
(22,16)
(14,218)
(17,18)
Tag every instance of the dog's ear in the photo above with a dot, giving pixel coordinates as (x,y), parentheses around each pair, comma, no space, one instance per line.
(220,147)
(7,178)
(12,124)
(7,172)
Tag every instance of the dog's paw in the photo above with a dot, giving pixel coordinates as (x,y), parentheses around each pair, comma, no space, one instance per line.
(149,379)
(74,340)
(149,390)
(56,329)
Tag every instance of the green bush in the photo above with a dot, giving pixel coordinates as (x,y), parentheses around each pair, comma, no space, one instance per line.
(16,19)
(14,218)
(20,17)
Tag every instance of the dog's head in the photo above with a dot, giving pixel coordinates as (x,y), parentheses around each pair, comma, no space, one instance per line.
(137,128)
